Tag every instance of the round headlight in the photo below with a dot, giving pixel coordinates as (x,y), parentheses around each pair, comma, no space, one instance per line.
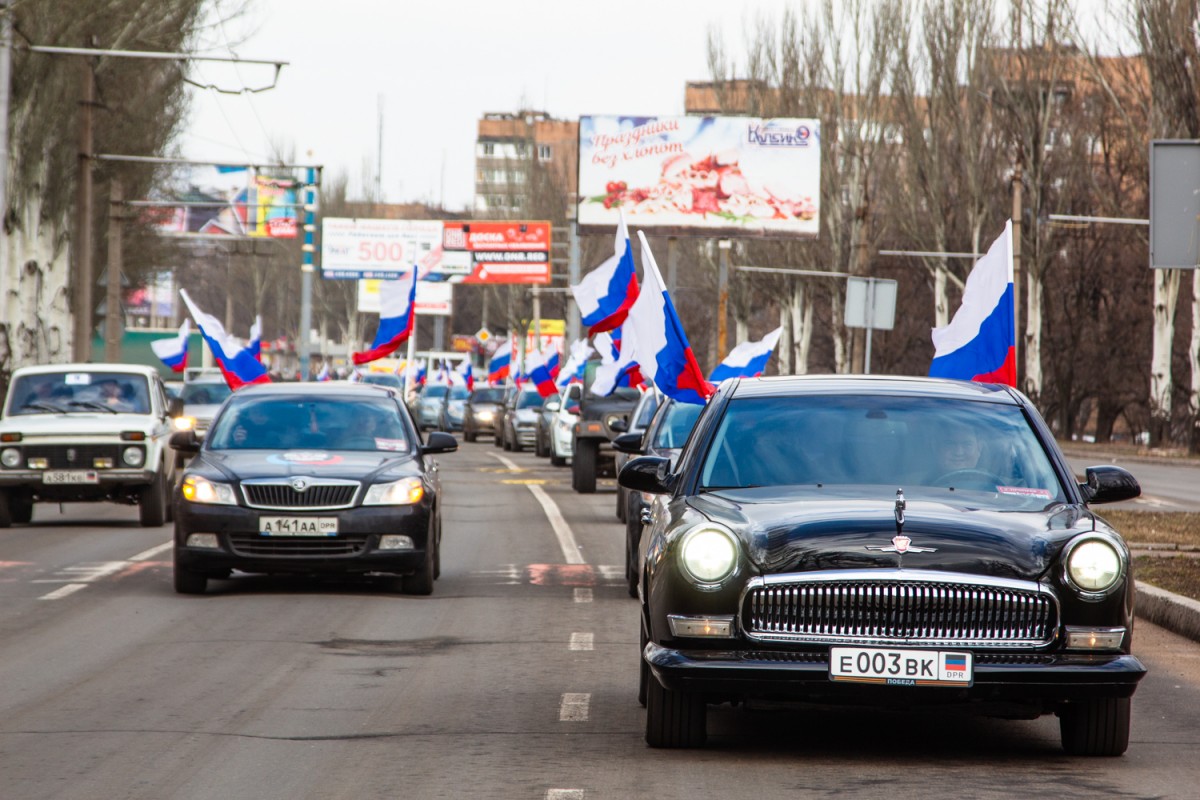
(11,457)
(1094,565)
(133,456)
(709,555)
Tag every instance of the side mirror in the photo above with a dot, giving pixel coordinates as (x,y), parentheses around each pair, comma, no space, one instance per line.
(185,441)
(1109,484)
(440,442)
(553,404)
(647,474)
(175,407)
(619,425)
(628,443)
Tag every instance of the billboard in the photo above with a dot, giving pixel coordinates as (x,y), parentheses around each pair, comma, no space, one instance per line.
(228,201)
(375,248)
(501,252)
(728,176)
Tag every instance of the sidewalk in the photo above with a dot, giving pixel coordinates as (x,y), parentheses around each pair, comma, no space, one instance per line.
(1177,614)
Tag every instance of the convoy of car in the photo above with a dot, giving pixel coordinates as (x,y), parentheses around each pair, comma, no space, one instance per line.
(815,540)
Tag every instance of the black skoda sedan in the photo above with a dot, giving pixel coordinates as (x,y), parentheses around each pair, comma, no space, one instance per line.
(884,542)
(310,478)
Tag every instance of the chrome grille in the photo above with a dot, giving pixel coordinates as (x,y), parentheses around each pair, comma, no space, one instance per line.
(74,456)
(248,544)
(898,607)
(281,494)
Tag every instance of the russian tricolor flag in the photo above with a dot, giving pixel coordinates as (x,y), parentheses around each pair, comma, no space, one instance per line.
(573,370)
(539,372)
(501,363)
(748,359)
(174,352)
(465,374)
(653,337)
(255,346)
(396,317)
(979,344)
(236,363)
(606,294)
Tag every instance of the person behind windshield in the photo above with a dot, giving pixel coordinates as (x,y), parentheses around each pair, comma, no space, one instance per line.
(958,449)
(110,394)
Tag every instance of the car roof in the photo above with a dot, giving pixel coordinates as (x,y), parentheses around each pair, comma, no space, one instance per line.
(43,369)
(315,389)
(790,385)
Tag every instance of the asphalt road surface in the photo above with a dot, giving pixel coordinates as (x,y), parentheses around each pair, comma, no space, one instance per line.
(1165,487)
(516,679)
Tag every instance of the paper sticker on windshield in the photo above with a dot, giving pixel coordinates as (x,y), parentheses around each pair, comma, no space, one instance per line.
(77,379)
(395,445)
(1026,491)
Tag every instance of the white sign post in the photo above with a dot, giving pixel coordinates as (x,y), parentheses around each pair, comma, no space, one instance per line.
(870,304)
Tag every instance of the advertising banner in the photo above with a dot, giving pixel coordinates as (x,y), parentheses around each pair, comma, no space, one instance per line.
(433,299)
(376,248)
(229,201)
(726,176)
(501,252)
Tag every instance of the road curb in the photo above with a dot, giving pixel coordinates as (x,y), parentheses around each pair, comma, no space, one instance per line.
(1174,612)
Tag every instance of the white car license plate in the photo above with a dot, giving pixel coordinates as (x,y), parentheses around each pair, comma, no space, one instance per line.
(900,667)
(298,526)
(70,476)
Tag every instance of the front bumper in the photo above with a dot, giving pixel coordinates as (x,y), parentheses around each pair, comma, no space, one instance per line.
(1017,678)
(354,550)
(563,442)
(108,482)
(526,436)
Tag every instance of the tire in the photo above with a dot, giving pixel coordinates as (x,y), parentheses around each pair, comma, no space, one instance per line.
(507,443)
(621,504)
(643,668)
(674,719)
(539,449)
(515,445)
(470,436)
(633,536)
(421,582)
(557,460)
(1098,727)
(152,503)
(497,439)
(187,581)
(20,509)
(583,466)
(6,519)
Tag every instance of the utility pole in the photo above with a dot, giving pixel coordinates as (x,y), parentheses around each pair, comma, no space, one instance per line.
(574,331)
(723,246)
(84,276)
(1016,254)
(114,322)
(307,269)
(5,83)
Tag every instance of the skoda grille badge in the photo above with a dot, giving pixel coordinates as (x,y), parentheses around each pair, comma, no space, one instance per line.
(299,484)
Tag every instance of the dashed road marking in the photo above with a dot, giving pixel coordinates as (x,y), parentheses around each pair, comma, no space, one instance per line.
(574,707)
(566,539)
(146,555)
(508,462)
(564,794)
(582,641)
(63,591)
(78,576)
(583,595)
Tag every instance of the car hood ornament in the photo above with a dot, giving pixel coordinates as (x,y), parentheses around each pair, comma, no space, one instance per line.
(901,544)
(900,506)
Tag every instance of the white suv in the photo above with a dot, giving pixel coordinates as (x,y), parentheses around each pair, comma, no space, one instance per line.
(86,433)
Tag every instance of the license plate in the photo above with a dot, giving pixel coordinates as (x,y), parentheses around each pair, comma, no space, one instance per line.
(298,526)
(900,667)
(71,476)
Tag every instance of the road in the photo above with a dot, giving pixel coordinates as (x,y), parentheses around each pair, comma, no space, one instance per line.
(516,679)
(1165,487)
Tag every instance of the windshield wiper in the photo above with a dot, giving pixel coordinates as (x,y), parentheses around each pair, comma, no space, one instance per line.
(724,488)
(40,406)
(92,404)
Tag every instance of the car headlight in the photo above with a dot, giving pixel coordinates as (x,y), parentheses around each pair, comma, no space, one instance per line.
(202,490)
(486,416)
(404,492)
(183,423)
(133,456)
(1093,565)
(708,554)
(11,457)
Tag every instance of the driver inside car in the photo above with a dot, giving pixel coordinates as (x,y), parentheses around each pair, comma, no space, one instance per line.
(959,449)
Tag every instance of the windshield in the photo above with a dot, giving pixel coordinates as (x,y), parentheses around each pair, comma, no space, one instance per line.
(646,412)
(435,391)
(487,395)
(383,379)
(325,423)
(984,452)
(677,425)
(75,392)
(201,394)
(530,400)
(458,392)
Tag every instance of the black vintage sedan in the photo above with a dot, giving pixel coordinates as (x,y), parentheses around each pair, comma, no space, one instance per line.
(310,478)
(884,542)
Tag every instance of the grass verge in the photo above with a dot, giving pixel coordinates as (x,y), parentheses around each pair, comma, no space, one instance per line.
(1155,527)
(1178,574)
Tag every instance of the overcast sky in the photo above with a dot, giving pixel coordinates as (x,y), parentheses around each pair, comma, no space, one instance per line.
(437,66)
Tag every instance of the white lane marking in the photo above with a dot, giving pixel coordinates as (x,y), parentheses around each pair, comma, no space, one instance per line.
(582,641)
(506,461)
(86,573)
(566,539)
(564,794)
(146,555)
(574,707)
(583,595)
(612,572)
(63,591)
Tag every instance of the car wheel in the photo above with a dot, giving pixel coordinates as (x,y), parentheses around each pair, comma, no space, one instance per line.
(674,719)
(557,460)
(497,438)
(421,582)
(469,436)
(187,581)
(1098,727)
(643,667)
(515,444)
(6,519)
(583,466)
(152,503)
(20,509)
(621,503)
